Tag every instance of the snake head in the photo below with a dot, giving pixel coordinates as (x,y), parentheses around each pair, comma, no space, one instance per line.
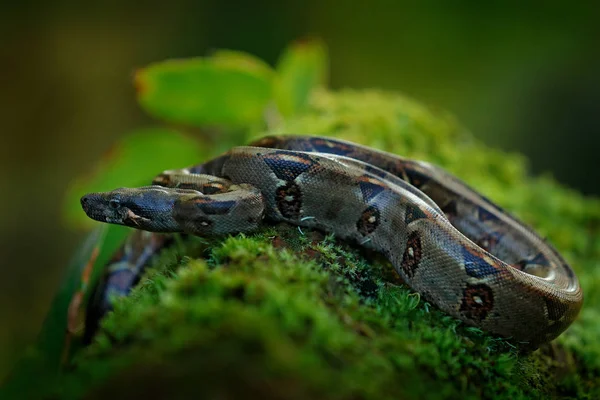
(149,208)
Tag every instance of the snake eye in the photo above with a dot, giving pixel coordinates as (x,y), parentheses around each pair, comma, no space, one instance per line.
(114,203)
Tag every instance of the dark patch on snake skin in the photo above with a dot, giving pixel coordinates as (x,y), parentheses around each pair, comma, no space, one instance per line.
(288,166)
(477,301)
(370,187)
(485,215)
(412,254)
(556,309)
(368,221)
(289,200)
(414,213)
(476,266)
(216,207)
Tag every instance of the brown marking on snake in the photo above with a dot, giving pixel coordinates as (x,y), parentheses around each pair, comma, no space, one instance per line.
(368,221)
(412,254)
(477,302)
(201,200)
(269,142)
(213,188)
(162,180)
(289,200)
(165,179)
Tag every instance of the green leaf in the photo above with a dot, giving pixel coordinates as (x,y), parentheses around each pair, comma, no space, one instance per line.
(229,88)
(133,161)
(302,68)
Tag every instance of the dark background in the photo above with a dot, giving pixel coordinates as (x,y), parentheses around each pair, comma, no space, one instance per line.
(520,77)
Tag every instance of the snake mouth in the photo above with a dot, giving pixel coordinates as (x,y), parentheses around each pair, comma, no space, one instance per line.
(133,220)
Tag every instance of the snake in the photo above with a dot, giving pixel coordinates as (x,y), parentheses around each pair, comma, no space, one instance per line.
(447,242)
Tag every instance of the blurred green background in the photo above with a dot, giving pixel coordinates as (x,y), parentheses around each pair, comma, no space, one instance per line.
(521,78)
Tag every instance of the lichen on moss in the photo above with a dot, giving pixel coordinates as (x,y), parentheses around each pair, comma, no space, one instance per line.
(283,313)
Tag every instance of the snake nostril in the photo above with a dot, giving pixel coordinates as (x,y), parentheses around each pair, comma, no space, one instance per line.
(84,202)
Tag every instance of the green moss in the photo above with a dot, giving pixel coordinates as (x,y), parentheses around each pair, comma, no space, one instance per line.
(290,314)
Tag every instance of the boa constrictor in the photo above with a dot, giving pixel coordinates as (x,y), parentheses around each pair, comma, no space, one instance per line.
(447,242)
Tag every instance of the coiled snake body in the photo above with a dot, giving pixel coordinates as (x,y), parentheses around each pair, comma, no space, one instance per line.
(447,242)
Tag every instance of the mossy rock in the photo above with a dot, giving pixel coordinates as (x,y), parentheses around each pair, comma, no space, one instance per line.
(285,313)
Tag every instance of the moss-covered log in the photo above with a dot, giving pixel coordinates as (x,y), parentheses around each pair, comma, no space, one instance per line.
(289,314)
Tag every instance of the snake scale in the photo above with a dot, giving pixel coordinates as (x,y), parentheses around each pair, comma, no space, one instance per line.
(447,242)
